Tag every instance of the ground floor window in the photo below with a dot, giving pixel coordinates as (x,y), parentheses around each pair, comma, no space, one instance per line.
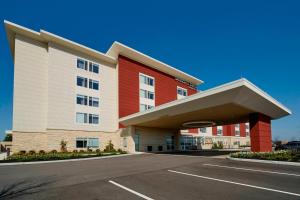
(170,142)
(87,142)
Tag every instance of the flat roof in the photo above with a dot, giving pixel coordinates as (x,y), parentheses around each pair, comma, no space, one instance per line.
(226,104)
(111,56)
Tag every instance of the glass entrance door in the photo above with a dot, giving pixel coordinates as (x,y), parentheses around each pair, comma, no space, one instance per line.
(137,142)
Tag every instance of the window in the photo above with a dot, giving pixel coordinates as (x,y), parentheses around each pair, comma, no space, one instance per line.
(82,64)
(93,142)
(146,94)
(182,91)
(87,142)
(81,99)
(170,142)
(93,119)
(146,80)
(93,101)
(81,118)
(219,130)
(237,129)
(93,67)
(144,107)
(81,142)
(93,84)
(203,130)
(247,126)
(81,81)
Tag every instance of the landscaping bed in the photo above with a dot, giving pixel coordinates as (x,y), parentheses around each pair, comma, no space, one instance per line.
(290,156)
(43,156)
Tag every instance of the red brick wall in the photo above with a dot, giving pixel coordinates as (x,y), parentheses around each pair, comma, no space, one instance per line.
(165,86)
(260,133)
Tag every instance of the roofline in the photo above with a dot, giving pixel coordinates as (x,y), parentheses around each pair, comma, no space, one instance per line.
(111,56)
(43,36)
(218,89)
(115,51)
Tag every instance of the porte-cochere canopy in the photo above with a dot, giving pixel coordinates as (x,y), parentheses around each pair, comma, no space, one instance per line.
(230,103)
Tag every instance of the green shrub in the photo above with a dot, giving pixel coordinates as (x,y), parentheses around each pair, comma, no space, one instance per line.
(31,152)
(109,147)
(292,156)
(63,146)
(42,152)
(75,151)
(21,152)
(81,151)
(52,156)
(53,151)
(98,151)
(8,138)
(217,145)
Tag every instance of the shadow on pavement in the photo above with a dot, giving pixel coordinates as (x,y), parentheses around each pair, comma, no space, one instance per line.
(22,188)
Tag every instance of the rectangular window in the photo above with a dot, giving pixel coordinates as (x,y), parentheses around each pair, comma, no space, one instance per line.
(203,130)
(237,129)
(144,107)
(82,64)
(81,118)
(146,80)
(93,84)
(81,99)
(93,119)
(146,94)
(81,81)
(219,130)
(81,142)
(143,93)
(93,101)
(181,91)
(94,68)
(93,142)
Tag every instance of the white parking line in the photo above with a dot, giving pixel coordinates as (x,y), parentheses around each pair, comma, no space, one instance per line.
(130,190)
(235,183)
(254,170)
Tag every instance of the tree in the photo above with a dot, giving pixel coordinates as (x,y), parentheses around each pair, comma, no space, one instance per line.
(8,138)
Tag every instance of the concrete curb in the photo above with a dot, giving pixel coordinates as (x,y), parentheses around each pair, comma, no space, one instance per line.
(60,161)
(265,161)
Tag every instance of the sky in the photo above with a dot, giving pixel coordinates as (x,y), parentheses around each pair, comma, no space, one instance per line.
(216,41)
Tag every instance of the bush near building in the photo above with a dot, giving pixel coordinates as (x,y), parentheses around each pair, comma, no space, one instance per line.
(291,156)
(54,155)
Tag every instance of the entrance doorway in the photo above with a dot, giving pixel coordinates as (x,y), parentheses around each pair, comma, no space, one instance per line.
(137,142)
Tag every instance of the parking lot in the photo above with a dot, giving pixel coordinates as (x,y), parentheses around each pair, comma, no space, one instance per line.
(151,176)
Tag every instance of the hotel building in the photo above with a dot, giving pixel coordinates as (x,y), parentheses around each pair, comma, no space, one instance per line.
(64,91)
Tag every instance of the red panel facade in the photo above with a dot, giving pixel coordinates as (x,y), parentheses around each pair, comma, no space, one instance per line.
(260,133)
(165,86)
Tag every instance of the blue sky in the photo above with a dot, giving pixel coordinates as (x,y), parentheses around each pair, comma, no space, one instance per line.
(216,41)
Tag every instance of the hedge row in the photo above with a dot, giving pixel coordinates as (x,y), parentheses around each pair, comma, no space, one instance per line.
(28,157)
(291,156)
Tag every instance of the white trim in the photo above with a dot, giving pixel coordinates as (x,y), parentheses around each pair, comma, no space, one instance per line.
(236,183)
(253,170)
(46,37)
(130,190)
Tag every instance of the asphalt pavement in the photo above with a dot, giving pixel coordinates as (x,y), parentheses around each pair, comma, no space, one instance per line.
(151,176)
